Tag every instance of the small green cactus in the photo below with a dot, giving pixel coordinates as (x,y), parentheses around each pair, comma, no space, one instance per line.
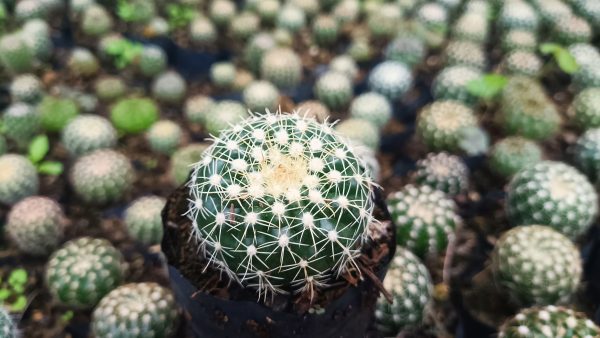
(536,265)
(110,88)
(359,130)
(26,88)
(36,225)
(96,21)
(360,49)
(433,16)
(391,79)
(426,219)
(441,124)
(406,48)
(572,29)
(444,172)
(83,270)
(197,107)
(372,107)
(521,62)
(102,176)
(291,18)
(224,114)
(261,95)
(169,87)
(143,219)
(282,67)
(549,322)
(164,137)
(152,61)
(87,133)
(518,15)
(313,109)
(8,328)
(134,115)
(244,25)
(137,310)
(15,54)
(551,11)
(588,76)
(3,145)
(325,30)
(56,112)
(344,64)
(222,74)
(586,153)
(553,194)
(267,10)
(347,12)
(512,154)
(36,34)
(202,31)
(21,122)
(586,108)
(255,49)
(221,12)
(465,53)
(19,178)
(519,40)
(411,288)
(384,22)
(182,161)
(334,90)
(83,63)
(29,9)
(452,84)
(584,53)
(471,27)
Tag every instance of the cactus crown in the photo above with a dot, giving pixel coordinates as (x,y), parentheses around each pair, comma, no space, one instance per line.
(281,202)
(7,326)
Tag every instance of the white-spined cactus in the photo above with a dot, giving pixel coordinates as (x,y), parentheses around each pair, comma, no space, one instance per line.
(143,219)
(8,328)
(18,178)
(294,198)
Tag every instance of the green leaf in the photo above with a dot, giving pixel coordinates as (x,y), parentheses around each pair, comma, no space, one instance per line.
(67,316)
(487,86)
(38,148)
(549,48)
(19,305)
(566,62)
(52,168)
(17,277)
(4,294)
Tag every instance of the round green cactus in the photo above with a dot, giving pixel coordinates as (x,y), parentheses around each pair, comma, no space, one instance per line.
(325,30)
(261,95)
(313,109)
(36,225)
(512,154)
(347,12)
(18,178)
(586,108)
(56,112)
(15,54)
(521,62)
(164,136)
(588,76)
(444,172)
(83,270)
(87,133)
(372,107)
(452,82)
(182,161)
(391,79)
(21,122)
(223,115)
(584,53)
(221,12)
(96,21)
(519,40)
(29,9)
(110,88)
(334,90)
(169,87)
(551,11)
(360,49)
(143,219)
(553,194)
(202,31)
(411,288)
(344,64)
(36,34)
(472,27)
(137,310)
(310,7)
(152,61)
(465,53)
(362,131)
(586,153)
(425,217)
(572,29)
(102,176)
(433,16)
(255,49)
(384,22)
(282,67)
(518,15)
(549,322)
(244,25)
(536,265)
(134,115)
(26,88)
(197,107)
(292,18)
(8,328)
(406,48)
(314,215)
(3,145)
(82,62)
(441,124)
(222,74)
(267,10)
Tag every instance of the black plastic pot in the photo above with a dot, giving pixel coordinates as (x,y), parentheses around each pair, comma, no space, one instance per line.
(349,315)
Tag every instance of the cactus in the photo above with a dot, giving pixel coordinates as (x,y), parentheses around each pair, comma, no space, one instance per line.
(56,113)
(586,108)
(3,145)
(255,49)
(586,153)
(465,53)
(221,12)
(426,218)
(8,328)
(21,122)
(291,18)
(334,90)
(224,114)
(36,225)
(96,21)
(83,270)
(409,283)
(169,87)
(347,12)
(536,265)
(26,88)
(406,48)
(29,9)
(197,108)
(202,31)
(444,172)
(384,22)
(588,76)
(360,49)
(518,15)
(156,27)
(433,16)
(325,30)
(391,79)
(520,62)
(136,311)
(590,11)
(102,176)
(310,7)
(18,180)
(282,67)
(471,27)
(451,84)
(519,40)
(82,62)
(222,74)
(282,156)
(87,133)
(143,219)
(152,60)
(36,35)
(441,124)
(182,161)
(572,29)
(109,88)
(313,109)
(15,54)
(344,64)
(548,322)
(164,137)
(244,25)
(267,10)
(512,154)
(553,194)
(360,130)
(584,53)
(261,95)
(552,10)
(372,107)
(134,115)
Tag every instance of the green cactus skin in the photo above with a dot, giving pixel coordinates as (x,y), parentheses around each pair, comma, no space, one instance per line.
(344,64)
(359,130)
(291,18)
(282,67)
(102,176)
(88,133)
(584,53)
(267,10)
(465,53)
(586,153)
(407,49)
(347,12)
(451,84)
(169,87)
(137,310)
(334,90)
(222,74)
(261,95)
(520,62)
(426,218)
(164,137)
(3,145)
(8,328)
(512,154)
(572,29)
(36,225)
(384,22)
(548,322)
(518,15)
(143,219)
(410,284)
(26,88)
(96,21)
(244,25)
(221,12)
(325,30)
(360,49)
(182,161)
(197,108)
(202,31)
(536,265)
(83,63)
(519,40)
(433,17)
(110,88)
(590,11)
(391,79)
(56,112)
(18,178)
(15,54)
(444,172)
(255,49)
(551,11)
(586,108)
(21,122)
(471,27)
(82,271)
(152,61)
(313,109)
(29,9)
(36,34)
(223,115)
(553,194)
(440,125)
(296,182)
(134,115)
(372,107)
(588,76)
